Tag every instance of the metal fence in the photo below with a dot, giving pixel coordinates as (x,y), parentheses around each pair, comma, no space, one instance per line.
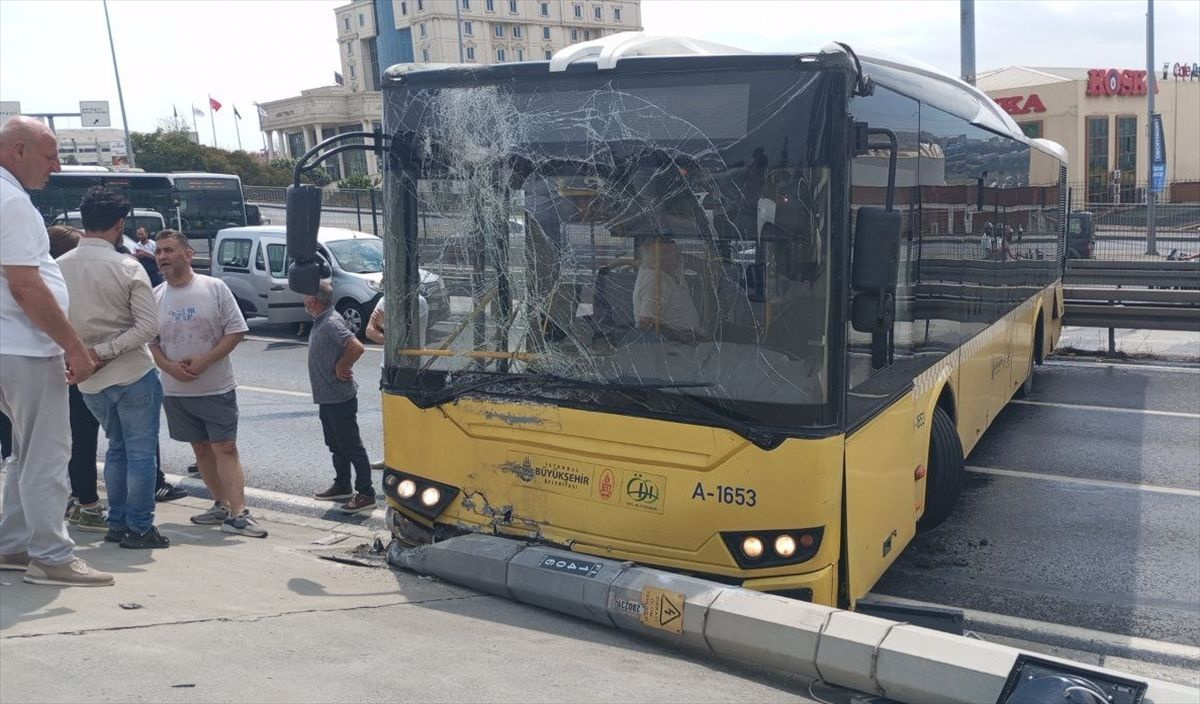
(1120,225)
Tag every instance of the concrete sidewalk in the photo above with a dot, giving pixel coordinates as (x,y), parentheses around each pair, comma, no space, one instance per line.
(218,617)
(1166,345)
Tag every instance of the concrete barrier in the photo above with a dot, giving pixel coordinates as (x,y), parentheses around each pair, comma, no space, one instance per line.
(900,661)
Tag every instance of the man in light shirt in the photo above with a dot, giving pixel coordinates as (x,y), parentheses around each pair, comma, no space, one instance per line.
(199,326)
(113,308)
(661,299)
(40,353)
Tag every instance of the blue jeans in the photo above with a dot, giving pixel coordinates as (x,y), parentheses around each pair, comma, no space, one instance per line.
(130,416)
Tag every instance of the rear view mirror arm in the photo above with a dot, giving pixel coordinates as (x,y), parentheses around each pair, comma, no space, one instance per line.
(895,147)
(313,157)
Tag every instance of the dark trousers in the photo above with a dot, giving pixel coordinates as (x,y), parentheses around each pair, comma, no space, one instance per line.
(5,437)
(85,430)
(339,421)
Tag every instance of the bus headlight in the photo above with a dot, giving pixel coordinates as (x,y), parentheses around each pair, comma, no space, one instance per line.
(417,495)
(773,548)
(752,547)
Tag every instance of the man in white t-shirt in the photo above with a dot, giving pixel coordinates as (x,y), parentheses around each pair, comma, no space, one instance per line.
(37,339)
(144,250)
(199,325)
(661,299)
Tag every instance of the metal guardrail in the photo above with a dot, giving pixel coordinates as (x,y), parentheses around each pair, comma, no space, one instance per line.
(1148,295)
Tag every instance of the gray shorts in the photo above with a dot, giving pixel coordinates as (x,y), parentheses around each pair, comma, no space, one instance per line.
(202,418)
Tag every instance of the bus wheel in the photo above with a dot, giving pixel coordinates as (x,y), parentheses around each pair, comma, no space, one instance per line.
(945,479)
(1026,386)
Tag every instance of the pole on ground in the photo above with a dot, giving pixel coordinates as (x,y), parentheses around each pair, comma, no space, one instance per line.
(1151,244)
(213,121)
(120,94)
(238,131)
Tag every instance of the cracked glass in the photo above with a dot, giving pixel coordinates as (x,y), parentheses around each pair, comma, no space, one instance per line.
(649,242)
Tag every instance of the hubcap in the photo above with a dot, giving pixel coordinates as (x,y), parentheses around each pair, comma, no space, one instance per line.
(353,318)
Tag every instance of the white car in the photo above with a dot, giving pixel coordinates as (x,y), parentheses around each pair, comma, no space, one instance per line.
(253,262)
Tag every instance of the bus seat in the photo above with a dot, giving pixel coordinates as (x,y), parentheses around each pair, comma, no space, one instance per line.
(613,304)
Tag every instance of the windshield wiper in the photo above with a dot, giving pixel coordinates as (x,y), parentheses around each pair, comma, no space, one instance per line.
(448,394)
(705,407)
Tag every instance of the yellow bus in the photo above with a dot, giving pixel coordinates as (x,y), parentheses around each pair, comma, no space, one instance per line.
(736,315)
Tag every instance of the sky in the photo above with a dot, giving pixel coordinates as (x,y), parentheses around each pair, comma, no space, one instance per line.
(173,54)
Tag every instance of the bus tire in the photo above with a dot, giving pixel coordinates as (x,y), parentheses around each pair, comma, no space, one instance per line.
(944,480)
(1026,386)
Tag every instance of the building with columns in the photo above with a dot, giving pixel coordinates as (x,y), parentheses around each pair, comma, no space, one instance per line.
(376,34)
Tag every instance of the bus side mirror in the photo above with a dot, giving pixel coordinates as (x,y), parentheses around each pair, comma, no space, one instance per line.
(303,222)
(305,277)
(875,269)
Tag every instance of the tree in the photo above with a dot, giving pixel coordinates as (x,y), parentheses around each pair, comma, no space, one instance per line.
(360,182)
(174,123)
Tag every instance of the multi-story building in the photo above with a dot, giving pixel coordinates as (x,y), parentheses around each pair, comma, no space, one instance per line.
(1099,116)
(91,146)
(376,34)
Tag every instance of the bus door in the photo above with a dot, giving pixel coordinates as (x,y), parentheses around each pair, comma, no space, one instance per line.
(881,448)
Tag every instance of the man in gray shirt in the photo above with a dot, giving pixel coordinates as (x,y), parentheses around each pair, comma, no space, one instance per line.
(199,326)
(332,352)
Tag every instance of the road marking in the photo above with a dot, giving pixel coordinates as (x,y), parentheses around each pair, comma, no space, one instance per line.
(1123,365)
(280,392)
(1076,633)
(1102,483)
(1111,409)
(369,346)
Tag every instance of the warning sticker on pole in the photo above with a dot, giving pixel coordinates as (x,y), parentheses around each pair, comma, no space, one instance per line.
(662,609)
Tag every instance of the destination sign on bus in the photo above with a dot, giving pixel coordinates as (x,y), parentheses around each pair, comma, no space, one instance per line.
(216,184)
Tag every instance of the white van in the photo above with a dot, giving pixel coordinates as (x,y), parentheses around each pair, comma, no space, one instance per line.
(253,262)
(152,220)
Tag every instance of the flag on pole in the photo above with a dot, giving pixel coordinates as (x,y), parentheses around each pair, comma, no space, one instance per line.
(175,111)
(337,78)
(236,114)
(197,112)
(212,103)
(262,114)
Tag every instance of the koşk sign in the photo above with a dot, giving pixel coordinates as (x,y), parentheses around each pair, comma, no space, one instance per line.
(1110,81)
(1020,105)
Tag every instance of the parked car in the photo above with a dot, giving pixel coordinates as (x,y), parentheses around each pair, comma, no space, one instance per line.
(253,262)
(152,220)
(1081,235)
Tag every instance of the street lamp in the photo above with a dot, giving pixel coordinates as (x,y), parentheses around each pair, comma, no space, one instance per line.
(120,95)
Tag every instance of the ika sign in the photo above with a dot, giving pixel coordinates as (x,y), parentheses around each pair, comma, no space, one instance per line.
(1110,81)
(1021,105)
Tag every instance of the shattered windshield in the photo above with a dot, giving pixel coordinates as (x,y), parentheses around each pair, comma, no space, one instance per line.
(658,236)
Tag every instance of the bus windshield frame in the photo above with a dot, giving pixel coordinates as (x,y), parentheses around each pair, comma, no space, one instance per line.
(630,198)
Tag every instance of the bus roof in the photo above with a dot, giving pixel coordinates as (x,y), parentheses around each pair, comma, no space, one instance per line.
(893,71)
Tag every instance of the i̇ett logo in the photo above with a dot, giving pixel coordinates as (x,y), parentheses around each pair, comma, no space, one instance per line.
(642,490)
(607,484)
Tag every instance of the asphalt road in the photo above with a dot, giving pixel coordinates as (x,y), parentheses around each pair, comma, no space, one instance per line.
(1082,507)
(1085,513)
